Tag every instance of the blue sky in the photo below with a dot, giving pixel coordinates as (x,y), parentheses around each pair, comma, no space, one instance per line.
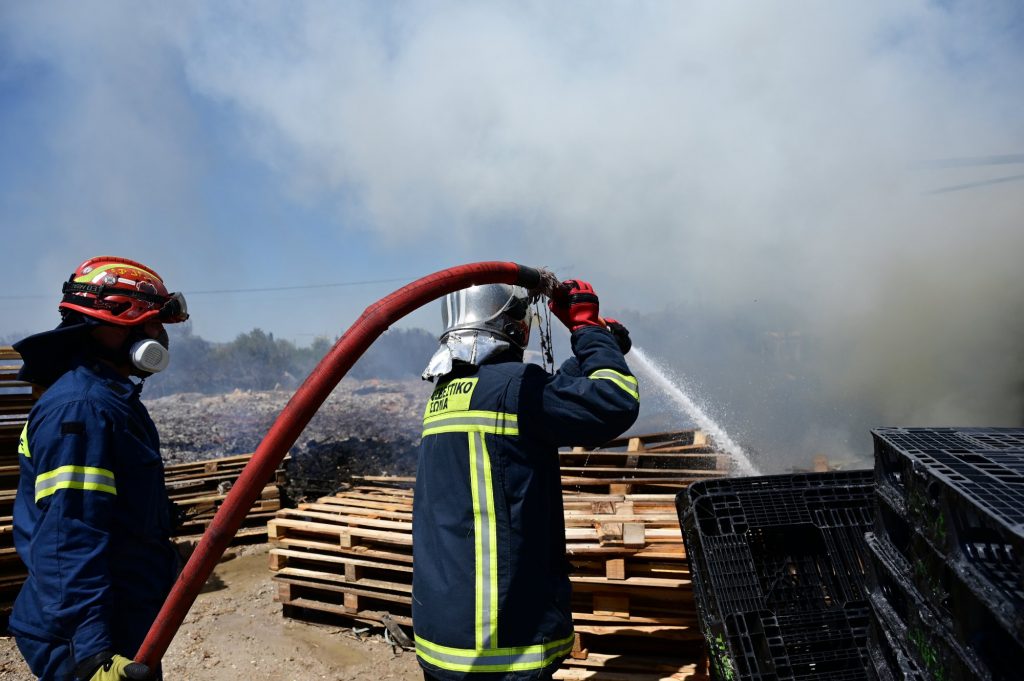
(670,152)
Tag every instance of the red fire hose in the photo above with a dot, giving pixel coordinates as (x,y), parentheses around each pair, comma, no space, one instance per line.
(374,321)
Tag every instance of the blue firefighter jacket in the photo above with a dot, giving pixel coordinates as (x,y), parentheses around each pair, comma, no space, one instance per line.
(491,587)
(91,518)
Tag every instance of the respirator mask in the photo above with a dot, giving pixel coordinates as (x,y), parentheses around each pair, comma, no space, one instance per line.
(149,355)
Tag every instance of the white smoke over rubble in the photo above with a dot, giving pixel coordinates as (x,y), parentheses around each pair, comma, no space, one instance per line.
(724,158)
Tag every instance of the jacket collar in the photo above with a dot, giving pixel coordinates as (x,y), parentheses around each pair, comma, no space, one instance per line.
(119,384)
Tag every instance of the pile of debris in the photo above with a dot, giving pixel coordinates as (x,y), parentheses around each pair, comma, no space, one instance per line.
(367,427)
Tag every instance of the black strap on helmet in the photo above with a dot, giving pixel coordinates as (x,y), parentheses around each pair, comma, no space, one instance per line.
(172,308)
(70,288)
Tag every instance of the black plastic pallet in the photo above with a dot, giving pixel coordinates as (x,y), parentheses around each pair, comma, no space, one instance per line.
(962,490)
(886,645)
(809,645)
(777,565)
(981,617)
(925,637)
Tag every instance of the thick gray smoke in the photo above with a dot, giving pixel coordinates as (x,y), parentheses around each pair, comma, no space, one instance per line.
(760,169)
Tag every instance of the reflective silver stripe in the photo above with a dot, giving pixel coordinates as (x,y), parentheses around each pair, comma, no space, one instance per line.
(625,381)
(496,659)
(75,477)
(495,422)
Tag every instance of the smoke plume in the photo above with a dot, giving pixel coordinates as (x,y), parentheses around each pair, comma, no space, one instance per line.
(748,173)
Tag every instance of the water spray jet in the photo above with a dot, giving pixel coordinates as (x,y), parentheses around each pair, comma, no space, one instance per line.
(741,462)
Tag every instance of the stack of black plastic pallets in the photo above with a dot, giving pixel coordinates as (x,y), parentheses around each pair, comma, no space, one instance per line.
(947,557)
(778,570)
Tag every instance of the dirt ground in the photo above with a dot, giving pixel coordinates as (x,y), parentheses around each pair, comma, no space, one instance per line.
(236,631)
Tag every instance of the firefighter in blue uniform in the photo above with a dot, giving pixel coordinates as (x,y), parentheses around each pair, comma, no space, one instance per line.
(491,592)
(91,516)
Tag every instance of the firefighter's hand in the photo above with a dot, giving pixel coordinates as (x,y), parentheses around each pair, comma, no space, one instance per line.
(120,668)
(575,304)
(621,334)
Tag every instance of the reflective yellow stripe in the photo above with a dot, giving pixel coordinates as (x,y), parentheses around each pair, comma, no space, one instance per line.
(624,381)
(490,595)
(485,540)
(473,421)
(91,276)
(479,523)
(494,659)
(23,443)
(75,477)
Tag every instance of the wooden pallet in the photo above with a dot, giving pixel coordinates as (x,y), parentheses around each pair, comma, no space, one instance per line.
(199,489)
(349,555)
(660,462)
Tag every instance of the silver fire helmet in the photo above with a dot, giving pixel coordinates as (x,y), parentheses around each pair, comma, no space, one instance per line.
(499,310)
(481,322)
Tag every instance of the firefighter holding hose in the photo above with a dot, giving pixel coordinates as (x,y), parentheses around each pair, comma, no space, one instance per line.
(491,591)
(91,516)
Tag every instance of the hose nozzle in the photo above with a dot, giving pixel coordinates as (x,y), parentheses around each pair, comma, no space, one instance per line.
(538,281)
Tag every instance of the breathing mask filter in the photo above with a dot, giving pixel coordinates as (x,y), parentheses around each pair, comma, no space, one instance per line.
(150,356)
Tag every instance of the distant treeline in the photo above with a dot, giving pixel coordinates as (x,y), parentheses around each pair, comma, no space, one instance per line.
(258,361)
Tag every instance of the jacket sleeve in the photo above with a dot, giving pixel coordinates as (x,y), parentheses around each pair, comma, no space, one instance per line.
(593,398)
(75,490)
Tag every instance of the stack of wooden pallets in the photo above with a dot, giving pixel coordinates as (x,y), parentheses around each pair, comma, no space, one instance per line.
(199,488)
(350,554)
(16,400)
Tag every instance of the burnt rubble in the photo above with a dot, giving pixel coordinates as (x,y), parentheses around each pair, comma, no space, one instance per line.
(365,427)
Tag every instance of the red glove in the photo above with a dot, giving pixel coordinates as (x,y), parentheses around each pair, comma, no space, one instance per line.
(575,304)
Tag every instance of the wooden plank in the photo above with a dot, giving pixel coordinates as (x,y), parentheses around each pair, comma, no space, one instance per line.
(341,584)
(340,559)
(637,662)
(385,478)
(338,530)
(616,606)
(335,548)
(368,616)
(348,520)
(650,472)
(675,453)
(295,578)
(679,633)
(628,582)
(357,510)
(580,617)
(647,438)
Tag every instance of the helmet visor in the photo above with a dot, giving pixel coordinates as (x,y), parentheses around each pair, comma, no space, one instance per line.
(174,310)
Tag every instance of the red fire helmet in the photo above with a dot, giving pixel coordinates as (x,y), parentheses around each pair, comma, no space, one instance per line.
(121,291)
